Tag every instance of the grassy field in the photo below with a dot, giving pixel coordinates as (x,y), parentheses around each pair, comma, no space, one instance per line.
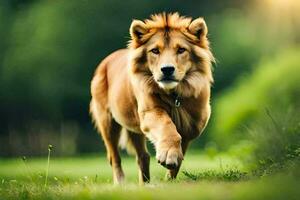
(89,177)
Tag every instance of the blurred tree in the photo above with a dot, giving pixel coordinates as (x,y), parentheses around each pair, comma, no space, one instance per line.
(49,50)
(19,4)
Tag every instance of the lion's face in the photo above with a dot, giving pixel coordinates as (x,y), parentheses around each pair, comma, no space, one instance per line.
(168,58)
(170,50)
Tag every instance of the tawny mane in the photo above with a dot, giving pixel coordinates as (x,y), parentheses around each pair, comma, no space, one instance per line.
(171,20)
(165,22)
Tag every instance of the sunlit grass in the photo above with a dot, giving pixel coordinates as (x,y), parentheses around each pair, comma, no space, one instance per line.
(92,166)
(89,177)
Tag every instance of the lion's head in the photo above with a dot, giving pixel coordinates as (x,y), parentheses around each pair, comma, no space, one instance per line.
(171,52)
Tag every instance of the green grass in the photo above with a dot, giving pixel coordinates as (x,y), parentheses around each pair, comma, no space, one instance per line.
(89,177)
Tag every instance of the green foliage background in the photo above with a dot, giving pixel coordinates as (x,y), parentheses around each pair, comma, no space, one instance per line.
(50,49)
(272,87)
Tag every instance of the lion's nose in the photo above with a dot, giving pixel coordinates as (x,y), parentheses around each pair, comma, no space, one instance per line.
(168,70)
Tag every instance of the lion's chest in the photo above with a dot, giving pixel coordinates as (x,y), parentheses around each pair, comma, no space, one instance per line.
(184,115)
(183,120)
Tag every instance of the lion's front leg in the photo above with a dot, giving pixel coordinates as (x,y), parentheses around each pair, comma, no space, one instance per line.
(159,128)
(172,173)
(169,153)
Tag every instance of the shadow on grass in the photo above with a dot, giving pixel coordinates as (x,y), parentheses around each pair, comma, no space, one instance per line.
(213,175)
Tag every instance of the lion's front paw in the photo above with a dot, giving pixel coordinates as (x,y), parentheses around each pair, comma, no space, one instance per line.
(169,157)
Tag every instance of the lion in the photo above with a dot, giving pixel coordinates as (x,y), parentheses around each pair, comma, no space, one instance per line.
(158,88)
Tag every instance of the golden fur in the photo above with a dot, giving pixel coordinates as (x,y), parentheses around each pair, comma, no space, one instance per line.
(129,91)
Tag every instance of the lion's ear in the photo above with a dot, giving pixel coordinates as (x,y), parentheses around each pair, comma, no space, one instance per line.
(198,28)
(137,30)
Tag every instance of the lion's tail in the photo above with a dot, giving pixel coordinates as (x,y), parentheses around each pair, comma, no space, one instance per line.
(99,102)
(125,142)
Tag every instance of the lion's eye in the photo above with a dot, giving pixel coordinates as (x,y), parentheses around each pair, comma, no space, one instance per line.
(155,51)
(181,50)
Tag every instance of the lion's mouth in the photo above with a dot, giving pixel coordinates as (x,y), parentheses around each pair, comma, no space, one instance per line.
(168,80)
(167,83)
